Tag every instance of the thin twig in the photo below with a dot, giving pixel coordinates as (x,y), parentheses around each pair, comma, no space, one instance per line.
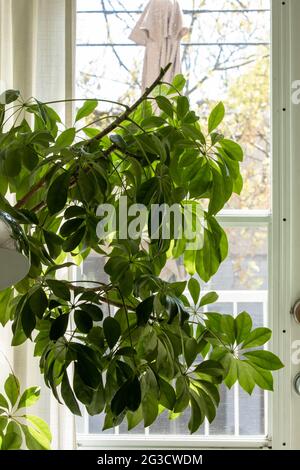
(116,123)
(126,114)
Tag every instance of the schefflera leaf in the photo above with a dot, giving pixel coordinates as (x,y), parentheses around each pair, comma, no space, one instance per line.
(17,427)
(237,350)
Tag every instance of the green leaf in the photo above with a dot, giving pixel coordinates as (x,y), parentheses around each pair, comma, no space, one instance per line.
(70,226)
(263,378)
(209,298)
(41,426)
(134,418)
(65,139)
(74,211)
(74,240)
(167,394)
(210,389)
(53,242)
(232,149)
(3,402)
(29,397)
(3,424)
(6,297)
(210,370)
(35,440)
(112,331)
(86,110)
(91,132)
(165,105)
(228,328)
(150,409)
(232,374)
(243,325)
(257,337)
(59,288)
(88,371)
(59,327)
(178,83)
(12,389)
(83,321)
(68,396)
(127,397)
(41,137)
(28,319)
(194,289)
(144,310)
(196,416)
(58,193)
(87,185)
(205,403)
(216,117)
(11,441)
(9,96)
(183,107)
(264,359)
(96,337)
(2,117)
(83,392)
(94,311)
(190,351)
(98,401)
(38,302)
(245,376)
(152,122)
(218,196)
(182,395)
(30,158)
(12,162)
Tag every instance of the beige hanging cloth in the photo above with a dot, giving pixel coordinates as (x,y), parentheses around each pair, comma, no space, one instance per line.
(160,29)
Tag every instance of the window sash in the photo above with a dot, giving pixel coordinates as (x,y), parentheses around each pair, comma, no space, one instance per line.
(227,218)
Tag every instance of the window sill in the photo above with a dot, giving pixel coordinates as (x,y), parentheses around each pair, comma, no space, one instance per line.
(134,442)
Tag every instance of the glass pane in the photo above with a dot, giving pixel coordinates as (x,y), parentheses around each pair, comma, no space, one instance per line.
(246,267)
(96,425)
(236,73)
(164,425)
(224,422)
(123,429)
(251,413)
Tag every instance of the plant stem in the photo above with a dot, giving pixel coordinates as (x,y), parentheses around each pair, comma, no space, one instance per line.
(71,100)
(31,193)
(106,131)
(132,108)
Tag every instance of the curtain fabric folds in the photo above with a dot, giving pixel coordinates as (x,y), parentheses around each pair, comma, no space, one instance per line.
(37,46)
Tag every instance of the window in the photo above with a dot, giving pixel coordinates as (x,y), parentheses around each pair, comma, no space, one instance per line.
(226,57)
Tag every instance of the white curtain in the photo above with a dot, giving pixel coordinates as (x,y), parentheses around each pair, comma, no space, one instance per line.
(37,44)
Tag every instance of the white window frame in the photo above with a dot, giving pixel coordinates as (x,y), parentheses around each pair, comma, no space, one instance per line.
(278,222)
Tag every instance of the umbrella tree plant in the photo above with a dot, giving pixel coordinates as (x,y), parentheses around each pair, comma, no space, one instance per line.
(153,348)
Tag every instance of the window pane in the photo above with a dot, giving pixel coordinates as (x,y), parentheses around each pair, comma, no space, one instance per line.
(245,268)
(237,74)
(224,423)
(175,426)
(225,57)
(252,409)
